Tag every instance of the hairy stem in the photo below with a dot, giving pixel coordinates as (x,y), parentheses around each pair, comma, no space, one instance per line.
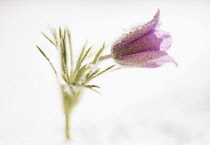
(70,99)
(105,57)
(67,126)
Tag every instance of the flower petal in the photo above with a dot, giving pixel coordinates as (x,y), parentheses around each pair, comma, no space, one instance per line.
(150,59)
(166,39)
(153,41)
(138,31)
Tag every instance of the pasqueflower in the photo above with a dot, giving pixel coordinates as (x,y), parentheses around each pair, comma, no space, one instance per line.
(144,46)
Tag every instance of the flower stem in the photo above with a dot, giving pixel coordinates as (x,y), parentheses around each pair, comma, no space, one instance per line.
(105,57)
(67,126)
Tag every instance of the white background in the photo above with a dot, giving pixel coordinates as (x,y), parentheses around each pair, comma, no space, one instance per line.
(162,106)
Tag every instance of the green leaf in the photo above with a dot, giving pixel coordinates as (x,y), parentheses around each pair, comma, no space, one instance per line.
(63,52)
(117,68)
(91,88)
(90,75)
(54,33)
(51,41)
(47,60)
(80,58)
(85,55)
(65,77)
(75,72)
(65,48)
(60,32)
(98,54)
(105,70)
(80,73)
(71,50)
(65,72)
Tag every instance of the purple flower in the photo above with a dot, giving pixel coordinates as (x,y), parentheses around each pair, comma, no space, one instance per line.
(144,46)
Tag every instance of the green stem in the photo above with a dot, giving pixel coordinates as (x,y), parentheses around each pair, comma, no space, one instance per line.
(67,126)
(69,101)
(105,57)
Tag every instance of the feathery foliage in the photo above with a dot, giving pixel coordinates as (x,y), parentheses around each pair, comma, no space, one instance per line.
(73,72)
